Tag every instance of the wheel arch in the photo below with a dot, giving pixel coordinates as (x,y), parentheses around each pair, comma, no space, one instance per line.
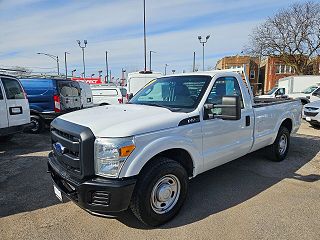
(180,150)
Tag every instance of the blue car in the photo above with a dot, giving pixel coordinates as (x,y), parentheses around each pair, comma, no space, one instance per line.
(49,98)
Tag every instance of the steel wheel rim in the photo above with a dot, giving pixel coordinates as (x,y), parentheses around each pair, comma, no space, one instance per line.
(165,194)
(35,125)
(283,143)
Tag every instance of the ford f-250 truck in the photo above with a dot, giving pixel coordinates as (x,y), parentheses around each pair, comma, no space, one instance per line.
(141,155)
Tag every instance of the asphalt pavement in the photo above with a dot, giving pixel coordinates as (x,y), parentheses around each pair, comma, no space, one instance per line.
(249,198)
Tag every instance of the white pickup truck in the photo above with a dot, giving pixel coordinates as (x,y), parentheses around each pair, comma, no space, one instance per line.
(141,155)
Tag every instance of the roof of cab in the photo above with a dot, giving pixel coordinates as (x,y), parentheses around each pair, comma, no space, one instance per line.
(208,73)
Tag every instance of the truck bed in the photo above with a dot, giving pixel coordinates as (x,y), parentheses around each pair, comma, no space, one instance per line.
(263,102)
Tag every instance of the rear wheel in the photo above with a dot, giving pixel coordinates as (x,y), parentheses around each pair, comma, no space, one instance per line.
(279,149)
(160,192)
(37,124)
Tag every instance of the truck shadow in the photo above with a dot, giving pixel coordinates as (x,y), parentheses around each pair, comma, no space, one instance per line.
(236,182)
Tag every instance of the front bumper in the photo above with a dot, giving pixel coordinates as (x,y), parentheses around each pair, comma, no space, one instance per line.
(99,196)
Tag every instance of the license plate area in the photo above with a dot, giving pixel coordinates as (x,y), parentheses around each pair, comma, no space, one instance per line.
(308,119)
(57,192)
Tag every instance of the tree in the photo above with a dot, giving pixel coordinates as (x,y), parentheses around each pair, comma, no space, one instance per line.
(292,33)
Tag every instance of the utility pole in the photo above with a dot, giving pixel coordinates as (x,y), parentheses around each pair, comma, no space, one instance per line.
(83,47)
(150,59)
(194,62)
(165,69)
(107,67)
(65,63)
(145,35)
(203,43)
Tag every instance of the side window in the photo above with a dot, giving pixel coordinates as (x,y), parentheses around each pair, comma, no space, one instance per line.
(225,86)
(12,88)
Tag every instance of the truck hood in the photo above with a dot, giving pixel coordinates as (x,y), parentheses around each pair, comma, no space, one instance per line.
(315,104)
(125,120)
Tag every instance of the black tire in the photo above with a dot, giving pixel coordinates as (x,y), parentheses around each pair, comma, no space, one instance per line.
(141,202)
(275,152)
(5,138)
(38,124)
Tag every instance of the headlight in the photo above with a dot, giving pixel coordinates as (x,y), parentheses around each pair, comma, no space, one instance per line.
(110,155)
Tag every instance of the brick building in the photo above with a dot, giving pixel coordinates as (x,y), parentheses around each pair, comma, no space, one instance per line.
(251,64)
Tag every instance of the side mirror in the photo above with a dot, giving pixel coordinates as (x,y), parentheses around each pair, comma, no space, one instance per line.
(230,109)
(130,96)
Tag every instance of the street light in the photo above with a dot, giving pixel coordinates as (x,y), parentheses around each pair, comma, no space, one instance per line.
(100,73)
(150,54)
(165,69)
(56,58)
(83,47)
(92,75)
(73,72)
(173,71)
(82,75)
(203,43)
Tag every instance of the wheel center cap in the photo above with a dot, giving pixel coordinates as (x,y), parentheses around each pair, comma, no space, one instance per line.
(164,193)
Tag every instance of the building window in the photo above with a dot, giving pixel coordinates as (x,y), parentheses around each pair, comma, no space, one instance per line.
(252,74)
(284,69)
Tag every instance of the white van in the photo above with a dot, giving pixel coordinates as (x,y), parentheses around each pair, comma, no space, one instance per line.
(106,94)
(14,107)
(86,95)
(137,80)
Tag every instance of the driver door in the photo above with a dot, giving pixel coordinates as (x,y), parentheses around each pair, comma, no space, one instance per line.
(225,140)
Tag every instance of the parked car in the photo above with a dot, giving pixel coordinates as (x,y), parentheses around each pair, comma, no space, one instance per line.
(124,93)
(49,98)
(86,95)
(106,94)
(14,107)
(141,155)
(136,80)
(307,95)
(311,113)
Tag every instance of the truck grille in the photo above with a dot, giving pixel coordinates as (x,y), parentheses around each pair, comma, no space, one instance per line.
(66,149)
(73,148)
(310,114)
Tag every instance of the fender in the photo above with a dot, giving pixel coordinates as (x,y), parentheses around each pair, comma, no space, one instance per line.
(137,161)
(284,116)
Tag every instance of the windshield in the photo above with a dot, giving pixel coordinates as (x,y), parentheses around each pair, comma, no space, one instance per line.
(272,91)
(181,92)
(316,92)
(310,89)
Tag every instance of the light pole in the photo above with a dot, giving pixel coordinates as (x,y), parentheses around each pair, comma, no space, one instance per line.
(122,76)
(82,75)
(150,58)
(107,66)
(72,72)
(144,35)
(83,47)
(203,43)
(165,69)
(194,62)
(100,73)
(65,63)
(56,58)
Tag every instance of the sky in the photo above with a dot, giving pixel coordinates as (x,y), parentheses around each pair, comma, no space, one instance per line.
(116,26)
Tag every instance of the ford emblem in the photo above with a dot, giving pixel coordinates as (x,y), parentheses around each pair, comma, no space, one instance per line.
(58,148)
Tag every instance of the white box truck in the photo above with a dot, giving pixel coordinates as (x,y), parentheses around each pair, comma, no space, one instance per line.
(297,84)
(137,80)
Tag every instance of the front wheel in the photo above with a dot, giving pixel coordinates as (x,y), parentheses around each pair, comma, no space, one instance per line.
(279,149)
(160,192)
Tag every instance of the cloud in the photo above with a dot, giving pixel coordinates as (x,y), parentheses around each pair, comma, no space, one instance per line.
(30,26)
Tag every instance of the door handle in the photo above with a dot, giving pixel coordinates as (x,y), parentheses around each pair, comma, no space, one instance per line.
(247,121)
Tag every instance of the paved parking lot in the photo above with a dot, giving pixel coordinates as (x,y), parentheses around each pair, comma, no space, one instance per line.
(250,198)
